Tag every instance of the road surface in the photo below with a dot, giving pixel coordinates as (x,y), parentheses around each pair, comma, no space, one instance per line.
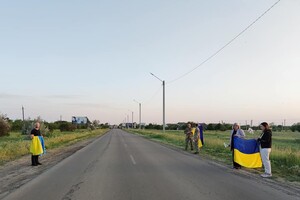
(128,167)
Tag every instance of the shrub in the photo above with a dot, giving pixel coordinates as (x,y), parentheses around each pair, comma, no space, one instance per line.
(4,126)
(67,126)
(295,127)
(16,125)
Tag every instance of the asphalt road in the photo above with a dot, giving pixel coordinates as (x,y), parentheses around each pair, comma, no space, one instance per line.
(124,166)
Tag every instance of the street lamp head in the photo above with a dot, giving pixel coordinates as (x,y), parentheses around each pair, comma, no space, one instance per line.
(156,77)
(136,101)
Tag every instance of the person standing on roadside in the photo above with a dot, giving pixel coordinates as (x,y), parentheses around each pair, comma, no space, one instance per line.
(35,132)
(188,136)
(265,148)
(196,138)
(236,132)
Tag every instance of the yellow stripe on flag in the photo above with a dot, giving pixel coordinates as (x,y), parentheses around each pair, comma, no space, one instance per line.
(193,131)
(247,160)
(36,146)
(200,144)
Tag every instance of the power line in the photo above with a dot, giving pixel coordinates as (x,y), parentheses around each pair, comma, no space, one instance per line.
(152,96)
(227,44)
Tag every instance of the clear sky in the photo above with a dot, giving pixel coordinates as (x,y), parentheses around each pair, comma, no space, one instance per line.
(92,58)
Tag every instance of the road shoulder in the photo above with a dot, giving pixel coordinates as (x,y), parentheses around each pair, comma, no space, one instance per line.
(278,184)
(16,173)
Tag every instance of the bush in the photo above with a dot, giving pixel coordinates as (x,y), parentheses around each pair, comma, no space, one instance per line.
(16,125)
(27,127)
(4,126)
(296,127)
(52,126)
(67,126)
(154,126)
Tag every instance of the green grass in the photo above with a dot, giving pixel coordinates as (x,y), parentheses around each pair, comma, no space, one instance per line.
(16,145)
(285,155)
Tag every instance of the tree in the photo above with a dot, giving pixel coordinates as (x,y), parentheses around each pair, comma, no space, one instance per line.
(296,127)
(220,127)
(4,126)
(211,127)
(16,125)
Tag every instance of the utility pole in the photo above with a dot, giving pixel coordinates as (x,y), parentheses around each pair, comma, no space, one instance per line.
(23,114)
(164,100)
(164,107)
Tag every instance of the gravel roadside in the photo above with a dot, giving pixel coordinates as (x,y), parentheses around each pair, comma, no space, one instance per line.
(16,173)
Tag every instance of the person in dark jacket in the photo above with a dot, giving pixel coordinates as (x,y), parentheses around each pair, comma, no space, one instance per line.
(265,148)
(35,132)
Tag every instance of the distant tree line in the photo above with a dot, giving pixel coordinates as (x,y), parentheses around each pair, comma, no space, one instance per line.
(221,126)
(7,125)
(47,128)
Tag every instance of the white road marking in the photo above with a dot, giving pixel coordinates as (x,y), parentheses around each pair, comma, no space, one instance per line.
(132,159)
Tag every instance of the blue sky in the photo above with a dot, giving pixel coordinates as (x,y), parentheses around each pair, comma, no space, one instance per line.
(92,58)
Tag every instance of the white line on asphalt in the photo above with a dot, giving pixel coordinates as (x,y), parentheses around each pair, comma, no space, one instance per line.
(132,159)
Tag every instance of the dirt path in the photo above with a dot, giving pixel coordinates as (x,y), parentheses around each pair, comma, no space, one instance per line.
(16,173)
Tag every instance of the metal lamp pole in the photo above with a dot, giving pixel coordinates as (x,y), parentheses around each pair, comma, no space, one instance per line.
(140,113)
(164,100)
(131,118)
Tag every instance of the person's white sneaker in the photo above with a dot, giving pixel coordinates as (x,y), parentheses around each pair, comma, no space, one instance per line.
(265,175)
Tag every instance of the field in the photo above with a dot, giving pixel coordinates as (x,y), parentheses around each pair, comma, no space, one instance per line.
(17,145)
(285,155)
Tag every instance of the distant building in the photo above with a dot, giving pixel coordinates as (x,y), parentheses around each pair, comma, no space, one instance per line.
(80,120)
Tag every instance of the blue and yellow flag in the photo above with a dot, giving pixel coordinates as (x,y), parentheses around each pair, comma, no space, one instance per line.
(246,153)
(36,147)
(201,134)
(200,141)
(41,138)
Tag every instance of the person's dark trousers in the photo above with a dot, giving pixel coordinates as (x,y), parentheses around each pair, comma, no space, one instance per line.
(35,160)
(235,165)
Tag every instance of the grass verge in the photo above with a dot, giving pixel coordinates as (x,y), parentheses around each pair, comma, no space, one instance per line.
(17,145)
(285,155)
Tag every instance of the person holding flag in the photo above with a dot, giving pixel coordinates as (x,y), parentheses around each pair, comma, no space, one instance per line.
(265,148)
(236,132)
(36,146)
(196,139)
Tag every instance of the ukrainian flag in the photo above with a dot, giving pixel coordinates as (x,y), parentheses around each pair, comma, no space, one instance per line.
(36,147)
(201,134)
(246,153)
(200,141)
(41,138)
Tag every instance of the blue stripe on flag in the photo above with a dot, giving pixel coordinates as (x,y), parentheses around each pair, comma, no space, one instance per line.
(246,146)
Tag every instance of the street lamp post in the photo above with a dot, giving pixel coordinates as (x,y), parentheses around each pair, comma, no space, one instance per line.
(140,113)
(164,100)
(131,118)
(127,121)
